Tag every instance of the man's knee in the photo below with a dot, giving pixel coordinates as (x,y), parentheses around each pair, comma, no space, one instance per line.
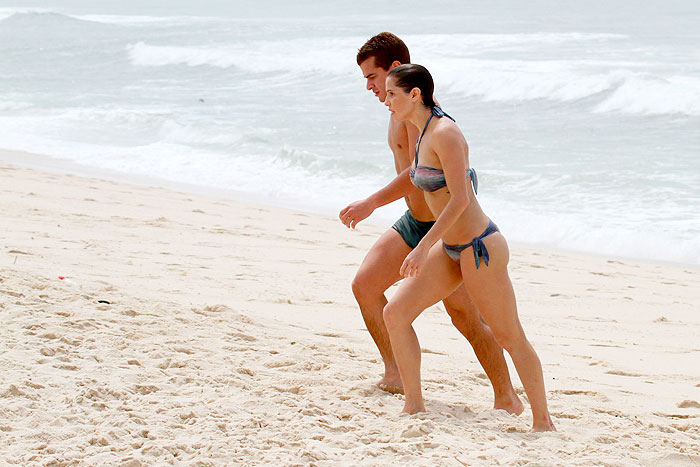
(362,285)
(358,285)
(465,318)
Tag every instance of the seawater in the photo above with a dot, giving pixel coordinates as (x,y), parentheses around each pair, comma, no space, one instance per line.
(583,118)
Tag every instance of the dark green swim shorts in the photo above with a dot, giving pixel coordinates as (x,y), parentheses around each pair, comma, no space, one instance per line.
(410,229)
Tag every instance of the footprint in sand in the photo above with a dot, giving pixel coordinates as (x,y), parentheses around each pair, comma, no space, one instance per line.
(290,389)
(66,367)
(328,334)
(280,364)
(241,336)
(146,389)
(12,391)
(675,460)
(613,412)
(435,352)
(565,415)
(605,439)
(622,373)
(672,416)
(571,392)
(18,252)
(415,430)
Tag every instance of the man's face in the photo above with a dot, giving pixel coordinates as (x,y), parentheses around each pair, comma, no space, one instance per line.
(376,78)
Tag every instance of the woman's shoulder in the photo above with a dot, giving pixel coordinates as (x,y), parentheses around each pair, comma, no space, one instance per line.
(448,130)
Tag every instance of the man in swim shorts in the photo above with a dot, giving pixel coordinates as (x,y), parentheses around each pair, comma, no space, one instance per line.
(380,268)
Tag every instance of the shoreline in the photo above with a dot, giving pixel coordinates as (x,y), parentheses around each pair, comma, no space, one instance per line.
(53,164)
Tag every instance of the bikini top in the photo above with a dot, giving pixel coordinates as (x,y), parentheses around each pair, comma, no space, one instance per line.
(429,178)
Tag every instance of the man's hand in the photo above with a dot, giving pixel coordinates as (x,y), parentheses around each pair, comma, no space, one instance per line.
(355,212)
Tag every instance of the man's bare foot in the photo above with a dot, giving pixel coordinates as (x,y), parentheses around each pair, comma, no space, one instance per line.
(390,389)
(543,426)
(513,405)
(413,408)
(391,383)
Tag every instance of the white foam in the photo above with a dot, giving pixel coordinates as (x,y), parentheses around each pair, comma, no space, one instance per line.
(517,80)
(14,105)
(428,45)
(647,94)
(284,116)
(301,55)
(206,156)
(582,232)
(122,20)
(8,12)
(136,20)
(622,89)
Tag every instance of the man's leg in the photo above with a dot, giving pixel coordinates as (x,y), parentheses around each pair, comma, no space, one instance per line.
(378,272)
(467,319)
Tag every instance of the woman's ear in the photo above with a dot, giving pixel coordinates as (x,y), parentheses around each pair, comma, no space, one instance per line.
(415,95)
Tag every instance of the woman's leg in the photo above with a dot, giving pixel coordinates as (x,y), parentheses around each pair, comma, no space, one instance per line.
(492,292)
(439,277)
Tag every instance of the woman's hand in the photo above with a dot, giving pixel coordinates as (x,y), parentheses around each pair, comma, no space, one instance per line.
(414,261)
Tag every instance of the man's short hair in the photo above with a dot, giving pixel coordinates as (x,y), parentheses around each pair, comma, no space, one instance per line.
(385,48)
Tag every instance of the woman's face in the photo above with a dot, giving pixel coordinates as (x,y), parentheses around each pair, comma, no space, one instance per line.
(400,102)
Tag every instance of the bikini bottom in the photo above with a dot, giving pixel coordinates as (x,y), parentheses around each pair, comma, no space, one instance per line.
(480,251)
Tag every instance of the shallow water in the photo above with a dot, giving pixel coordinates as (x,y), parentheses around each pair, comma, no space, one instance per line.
(583,120)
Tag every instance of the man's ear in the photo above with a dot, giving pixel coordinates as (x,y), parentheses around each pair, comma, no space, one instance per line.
(394,64)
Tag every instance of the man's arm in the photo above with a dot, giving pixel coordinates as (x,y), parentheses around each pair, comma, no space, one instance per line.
(358,211)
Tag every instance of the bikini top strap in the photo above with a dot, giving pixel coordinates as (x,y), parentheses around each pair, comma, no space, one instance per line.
(434,112)
(438,112)
(420,136)
(471,173)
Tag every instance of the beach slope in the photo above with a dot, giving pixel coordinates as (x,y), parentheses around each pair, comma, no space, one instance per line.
(147,326)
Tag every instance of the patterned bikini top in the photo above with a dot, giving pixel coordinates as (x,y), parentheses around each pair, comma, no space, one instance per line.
(429,178)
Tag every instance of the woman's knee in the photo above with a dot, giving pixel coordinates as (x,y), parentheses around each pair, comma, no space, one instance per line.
(393,316)
(509,337)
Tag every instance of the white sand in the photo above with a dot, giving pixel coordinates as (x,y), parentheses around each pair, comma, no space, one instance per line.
(231,337)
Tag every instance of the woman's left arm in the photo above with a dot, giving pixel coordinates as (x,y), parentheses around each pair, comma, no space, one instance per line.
(449,145)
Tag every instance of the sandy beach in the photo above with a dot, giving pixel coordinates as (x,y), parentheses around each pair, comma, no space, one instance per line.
(191,329)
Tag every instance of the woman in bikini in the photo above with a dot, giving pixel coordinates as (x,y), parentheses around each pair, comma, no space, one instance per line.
(472,249)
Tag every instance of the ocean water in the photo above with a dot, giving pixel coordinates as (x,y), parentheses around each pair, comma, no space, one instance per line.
(583,118)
